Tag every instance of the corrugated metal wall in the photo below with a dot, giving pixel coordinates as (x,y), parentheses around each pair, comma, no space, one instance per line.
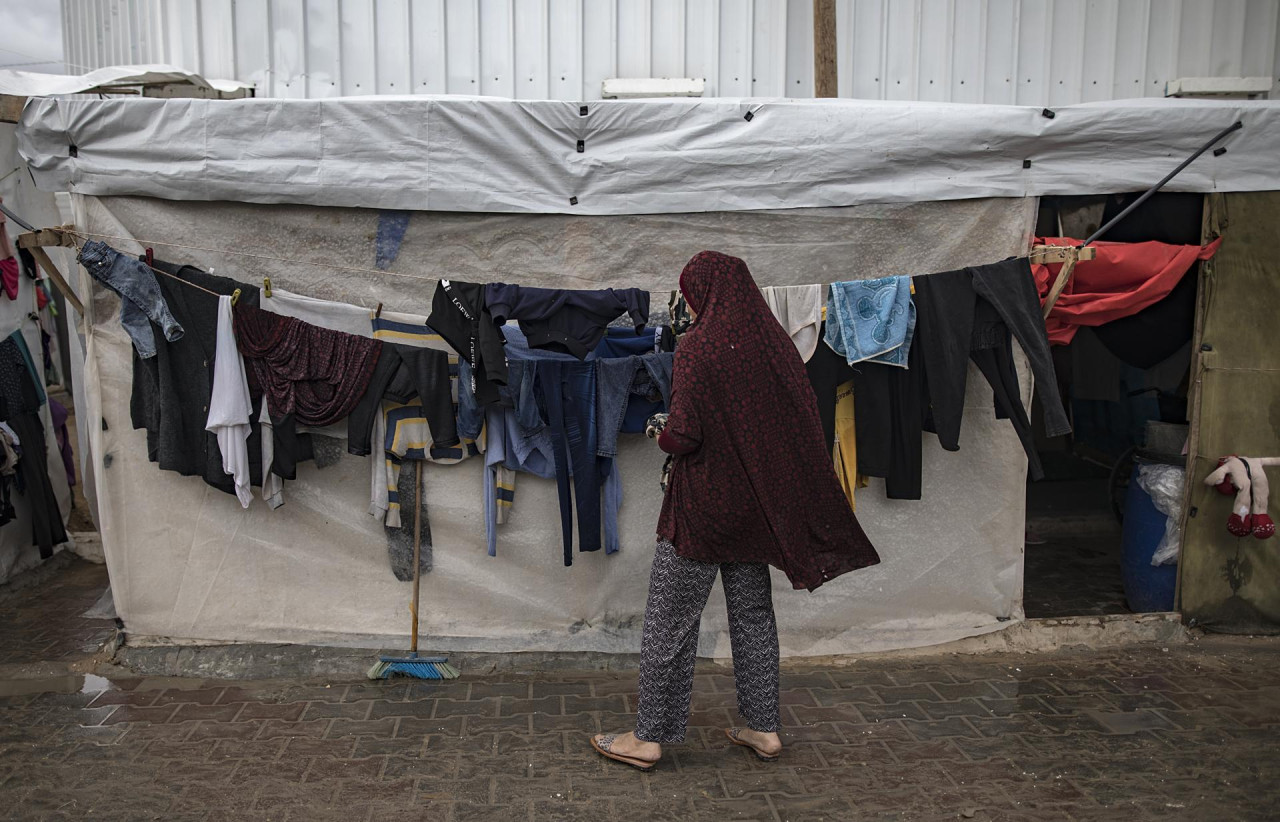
(1035,52)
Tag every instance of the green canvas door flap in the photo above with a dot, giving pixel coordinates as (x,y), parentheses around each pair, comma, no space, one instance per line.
(1226,583)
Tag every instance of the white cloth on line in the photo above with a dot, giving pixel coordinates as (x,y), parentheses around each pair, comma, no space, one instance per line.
(272,485)
(229,404)
(799,310)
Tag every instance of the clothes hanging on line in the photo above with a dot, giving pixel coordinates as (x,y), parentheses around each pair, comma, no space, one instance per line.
(633,382)
(504,456)
(335,316)
(230,407)
(1154,334)
(552,397)
(845,451)
(141,300)
(827,371)
(20,408)
(625,342)
(798,308)
(565,320)
(417,417)
(620,382)
(565,392)
(9,277)
(272,483)
(10,454)
(172,391)
(460,314)
(973,310)
(315,373)
(872,320)
(1121,280)
(891,406)
(58,414)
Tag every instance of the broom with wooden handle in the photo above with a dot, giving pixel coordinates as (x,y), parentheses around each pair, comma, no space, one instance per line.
(419,667)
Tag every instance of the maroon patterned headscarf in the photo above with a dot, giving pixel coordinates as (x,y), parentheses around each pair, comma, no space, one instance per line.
(759,485)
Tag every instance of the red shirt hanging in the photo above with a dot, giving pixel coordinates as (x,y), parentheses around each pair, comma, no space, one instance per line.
(1122,280)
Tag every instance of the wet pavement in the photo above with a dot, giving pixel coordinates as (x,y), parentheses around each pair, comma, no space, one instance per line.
(42,619)
(1184,732)
(1072,575)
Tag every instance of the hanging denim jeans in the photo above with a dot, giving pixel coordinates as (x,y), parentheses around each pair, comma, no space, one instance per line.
(567,391)
(141,302)
(568,433)
(626,386)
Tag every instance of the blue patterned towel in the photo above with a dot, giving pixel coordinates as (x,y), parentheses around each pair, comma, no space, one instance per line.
(872,320)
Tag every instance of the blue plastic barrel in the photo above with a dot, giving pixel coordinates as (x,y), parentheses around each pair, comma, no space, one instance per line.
(1147,587)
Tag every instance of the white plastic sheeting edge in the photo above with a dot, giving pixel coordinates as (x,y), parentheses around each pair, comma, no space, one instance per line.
(638,156)
(316,569)
(37,84)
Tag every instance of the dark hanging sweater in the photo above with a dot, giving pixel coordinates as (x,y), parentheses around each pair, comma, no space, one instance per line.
(171,390)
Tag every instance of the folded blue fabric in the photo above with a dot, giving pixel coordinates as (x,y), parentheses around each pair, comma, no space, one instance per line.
(872,320)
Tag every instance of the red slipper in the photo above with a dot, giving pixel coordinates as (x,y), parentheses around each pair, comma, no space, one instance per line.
(1263,526)
(1240,526)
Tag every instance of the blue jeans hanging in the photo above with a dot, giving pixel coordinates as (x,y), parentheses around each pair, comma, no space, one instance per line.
(141,302)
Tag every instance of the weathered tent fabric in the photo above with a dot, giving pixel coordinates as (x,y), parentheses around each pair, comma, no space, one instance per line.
(315,570)
(637,156)
(1227,583)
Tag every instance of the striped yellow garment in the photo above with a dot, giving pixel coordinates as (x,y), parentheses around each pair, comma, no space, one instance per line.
(408,435)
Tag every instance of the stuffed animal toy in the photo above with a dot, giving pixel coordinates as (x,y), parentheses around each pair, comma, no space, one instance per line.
(1246,477)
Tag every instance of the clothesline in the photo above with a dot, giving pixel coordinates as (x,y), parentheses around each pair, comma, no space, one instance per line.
(79,243)
(335,266)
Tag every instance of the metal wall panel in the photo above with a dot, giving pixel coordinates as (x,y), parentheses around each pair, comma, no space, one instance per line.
(1033,52)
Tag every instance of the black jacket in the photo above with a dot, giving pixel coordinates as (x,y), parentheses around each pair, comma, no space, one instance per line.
(171,390)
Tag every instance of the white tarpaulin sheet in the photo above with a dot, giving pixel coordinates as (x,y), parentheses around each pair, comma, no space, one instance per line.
(33,84)
(186,561)
(637,156)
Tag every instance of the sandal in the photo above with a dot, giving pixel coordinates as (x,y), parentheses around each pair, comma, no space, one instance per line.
(732,733)
(603,742)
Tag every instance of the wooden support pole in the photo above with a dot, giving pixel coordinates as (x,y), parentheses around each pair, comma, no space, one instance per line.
(36,242)
(11,107)
(42,260)
(1064,277)
(824,48)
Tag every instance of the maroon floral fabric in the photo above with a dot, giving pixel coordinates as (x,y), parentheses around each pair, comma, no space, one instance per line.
(757,483)
(314,373)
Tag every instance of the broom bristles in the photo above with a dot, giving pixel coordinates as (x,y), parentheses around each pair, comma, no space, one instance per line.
(418,667)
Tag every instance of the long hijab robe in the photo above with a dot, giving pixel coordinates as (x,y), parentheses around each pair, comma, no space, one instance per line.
(757,483)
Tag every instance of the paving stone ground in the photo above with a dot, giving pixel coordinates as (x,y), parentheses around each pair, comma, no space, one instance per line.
(1184,733)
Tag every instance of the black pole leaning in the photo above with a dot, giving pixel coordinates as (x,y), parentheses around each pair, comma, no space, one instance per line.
(28,226)
(1236,126)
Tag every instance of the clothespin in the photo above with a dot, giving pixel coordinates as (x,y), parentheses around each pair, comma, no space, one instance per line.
(150,257)
(266,287)
(235,296)
(378,311)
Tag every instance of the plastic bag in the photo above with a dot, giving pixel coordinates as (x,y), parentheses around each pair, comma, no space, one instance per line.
(1165,484)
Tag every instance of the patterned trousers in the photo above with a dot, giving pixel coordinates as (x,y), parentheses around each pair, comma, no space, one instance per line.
(678,591)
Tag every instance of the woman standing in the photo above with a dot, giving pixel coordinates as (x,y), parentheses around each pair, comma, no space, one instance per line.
(752,486)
